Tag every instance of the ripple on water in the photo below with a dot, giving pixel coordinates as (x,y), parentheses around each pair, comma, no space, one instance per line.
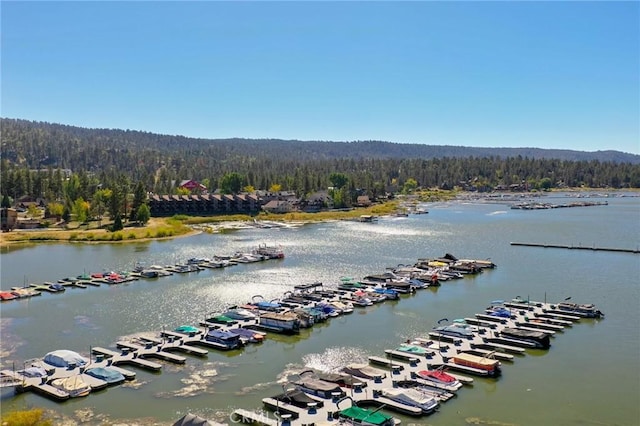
(332,359)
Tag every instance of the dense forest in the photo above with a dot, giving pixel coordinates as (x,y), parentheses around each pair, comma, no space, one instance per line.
(60,162)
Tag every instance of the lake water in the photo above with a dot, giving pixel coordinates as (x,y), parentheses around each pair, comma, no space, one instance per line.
(590,376)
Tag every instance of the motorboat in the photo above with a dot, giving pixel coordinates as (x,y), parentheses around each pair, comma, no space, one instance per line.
(149,273)
(364,371)
(343,306)
(56,287)
(75,386)
(248,335)
(188,330)
(259,303)
(7,295)
(439,377)
(286,323)
(539,339)
(490,366)
(220,319)
(341,379)
(240,257)
(413,398)
(226,340)
(455,331)
(582,310)
(65,358)
(388,293)
(360,299)
(109,375)
(327,309)
(414,349)
(297,398)
(498,309)
(240,314)
(321,388)
(355,415)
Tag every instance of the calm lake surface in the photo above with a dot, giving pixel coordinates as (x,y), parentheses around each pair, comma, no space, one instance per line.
(590,376)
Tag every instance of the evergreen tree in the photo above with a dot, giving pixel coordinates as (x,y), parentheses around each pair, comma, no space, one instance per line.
(144,214)
(117,223)
(6,203)
(139,198)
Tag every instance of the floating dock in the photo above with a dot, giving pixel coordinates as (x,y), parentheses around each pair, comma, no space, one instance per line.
(400,367)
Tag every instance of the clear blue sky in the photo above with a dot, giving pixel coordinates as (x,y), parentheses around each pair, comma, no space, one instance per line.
(495,74)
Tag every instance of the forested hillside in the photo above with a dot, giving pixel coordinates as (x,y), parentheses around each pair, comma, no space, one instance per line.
(105,158)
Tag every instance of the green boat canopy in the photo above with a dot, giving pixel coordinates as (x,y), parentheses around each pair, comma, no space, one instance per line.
(362,415)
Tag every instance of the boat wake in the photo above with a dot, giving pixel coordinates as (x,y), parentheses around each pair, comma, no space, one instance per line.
(497,212)
(9,342)
(332,359)
(199,381)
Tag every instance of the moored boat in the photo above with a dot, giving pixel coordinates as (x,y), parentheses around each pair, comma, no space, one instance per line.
(583,310)
(271,252)
(439,377)
(188,330)
(539,338)
(226,340)
(248,335)
(286,323)
(240,314)
(106,374)
(455,331)
(319,387)
(355,415)
(364,371)
(75,386)
(490,366)
(413,398)
(7,295)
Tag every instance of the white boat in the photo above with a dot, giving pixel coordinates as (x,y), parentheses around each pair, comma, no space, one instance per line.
(343,306)
(75,386)
(241,314)
(413,398)
(246,258)
(439,377)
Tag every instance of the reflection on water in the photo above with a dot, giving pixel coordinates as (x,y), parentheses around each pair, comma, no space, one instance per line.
(539,388)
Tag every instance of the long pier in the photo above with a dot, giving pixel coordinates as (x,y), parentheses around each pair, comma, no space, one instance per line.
(574,247)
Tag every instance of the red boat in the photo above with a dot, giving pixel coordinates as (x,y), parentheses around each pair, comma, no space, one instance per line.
(439,377)
(5,295)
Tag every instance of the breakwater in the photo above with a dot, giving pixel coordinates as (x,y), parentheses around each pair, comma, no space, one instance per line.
(547,206)
(575,247)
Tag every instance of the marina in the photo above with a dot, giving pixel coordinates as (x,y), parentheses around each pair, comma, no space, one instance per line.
(186,298)
(416,375)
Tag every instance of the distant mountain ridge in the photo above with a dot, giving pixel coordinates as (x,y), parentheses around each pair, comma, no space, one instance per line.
(14,131)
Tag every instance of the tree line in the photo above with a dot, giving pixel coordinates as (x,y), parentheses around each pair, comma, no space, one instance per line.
(106,168)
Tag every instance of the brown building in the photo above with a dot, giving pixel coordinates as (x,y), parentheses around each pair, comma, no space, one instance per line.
(8,219)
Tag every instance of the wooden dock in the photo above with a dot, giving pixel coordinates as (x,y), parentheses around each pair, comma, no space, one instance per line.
(157,352)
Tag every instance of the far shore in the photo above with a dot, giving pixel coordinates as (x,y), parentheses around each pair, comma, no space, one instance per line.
(174,227)
(184,226)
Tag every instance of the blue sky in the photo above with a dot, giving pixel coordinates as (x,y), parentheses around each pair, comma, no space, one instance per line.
(494,74)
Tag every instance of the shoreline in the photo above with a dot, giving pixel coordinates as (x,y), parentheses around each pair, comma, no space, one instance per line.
(160,229)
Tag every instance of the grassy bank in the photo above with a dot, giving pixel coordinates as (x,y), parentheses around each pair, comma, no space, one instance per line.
(155,229)
(159,228)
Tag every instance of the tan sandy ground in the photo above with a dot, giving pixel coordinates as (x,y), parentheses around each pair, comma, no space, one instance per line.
(156,228)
